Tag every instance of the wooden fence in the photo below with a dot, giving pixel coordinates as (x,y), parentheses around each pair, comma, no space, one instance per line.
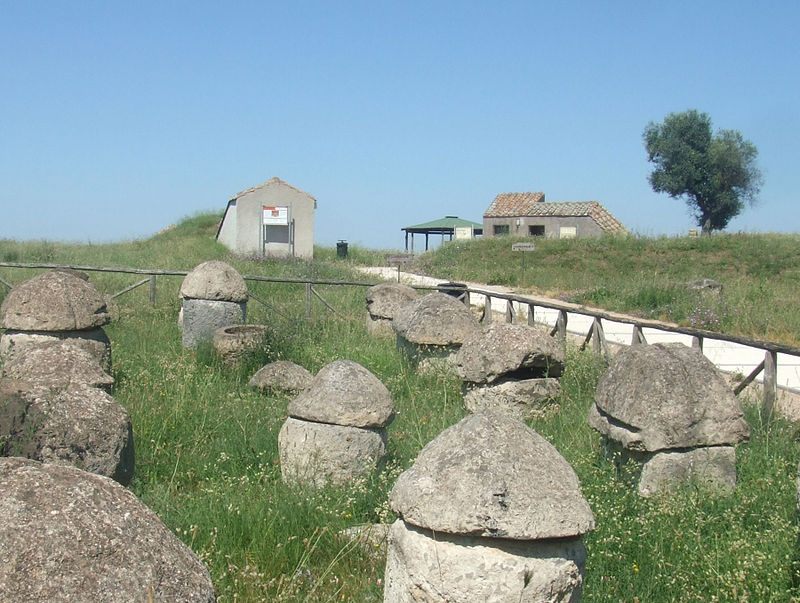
(595,335)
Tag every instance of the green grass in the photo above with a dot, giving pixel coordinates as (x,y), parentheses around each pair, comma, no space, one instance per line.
(206,444)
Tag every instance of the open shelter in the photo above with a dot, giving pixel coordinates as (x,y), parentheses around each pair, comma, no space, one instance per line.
(449,226)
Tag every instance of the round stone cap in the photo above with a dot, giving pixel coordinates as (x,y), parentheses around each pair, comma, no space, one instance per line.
(435,319)
(664,396)
(386,299)
(500,349)
(491,475)
(344,393)
(214,280)
(53,301)
(281,375)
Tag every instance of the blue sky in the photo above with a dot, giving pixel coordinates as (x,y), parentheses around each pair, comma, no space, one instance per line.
(118,119)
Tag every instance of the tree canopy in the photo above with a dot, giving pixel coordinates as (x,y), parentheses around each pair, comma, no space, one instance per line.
(714,174)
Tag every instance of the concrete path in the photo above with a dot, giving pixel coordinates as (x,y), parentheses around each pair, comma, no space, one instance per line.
(729,357)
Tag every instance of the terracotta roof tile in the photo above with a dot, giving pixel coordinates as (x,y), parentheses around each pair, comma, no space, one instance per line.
(513,204)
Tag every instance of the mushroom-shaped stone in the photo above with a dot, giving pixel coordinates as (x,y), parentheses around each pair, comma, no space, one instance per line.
(214,280)
(345,393)
(386,299)
(508,350)
(281,375)
(79,425)
(57,364)
(435,319)
(69,535)
(491,475)
(666,396)
(53,301)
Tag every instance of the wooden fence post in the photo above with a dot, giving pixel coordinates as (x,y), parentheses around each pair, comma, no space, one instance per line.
(770,383)
(638,336)
(509,311)
(697,342)
(531,317)
(487,311)
(308,300)
(152,289)
(560,329)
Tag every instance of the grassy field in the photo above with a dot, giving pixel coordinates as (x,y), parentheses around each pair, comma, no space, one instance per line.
(647,277)
(206,444)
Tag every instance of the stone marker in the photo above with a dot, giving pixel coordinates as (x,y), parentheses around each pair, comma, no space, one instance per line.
(669,408)
(77,425)
(432,328)
(281,375)
(336,430)
(52,306)
(214,296)
(69,535)
(383,303)
(489,511)
(511,368)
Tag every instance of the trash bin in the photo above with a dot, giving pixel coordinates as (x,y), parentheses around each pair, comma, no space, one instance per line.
(341,249)
(457,290)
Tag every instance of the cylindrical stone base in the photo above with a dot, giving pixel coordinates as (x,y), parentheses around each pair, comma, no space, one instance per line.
(95,341)
(424,566)
(320,454)
(201,317)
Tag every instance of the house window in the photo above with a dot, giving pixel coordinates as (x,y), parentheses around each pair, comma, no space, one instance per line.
(536,230)
(500,229)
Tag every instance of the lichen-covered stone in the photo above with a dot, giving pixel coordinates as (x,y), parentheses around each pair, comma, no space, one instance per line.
(69,535)
(666,396)
(202,317)
(386,299)
(53,301)
(423,566)
(95,341)
(281,375)
(491,475)
(503,349)
(520,399)
(214,280)
(319,454)
(57,364)
(345,393)
(435,319)
(78,425)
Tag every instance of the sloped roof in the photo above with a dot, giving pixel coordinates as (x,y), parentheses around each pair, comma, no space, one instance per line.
(271,181)
(513,205)
(447,223)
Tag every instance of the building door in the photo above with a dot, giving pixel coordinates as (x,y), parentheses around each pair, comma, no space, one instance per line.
(277,231)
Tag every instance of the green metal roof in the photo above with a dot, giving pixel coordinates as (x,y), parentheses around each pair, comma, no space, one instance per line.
(446,223)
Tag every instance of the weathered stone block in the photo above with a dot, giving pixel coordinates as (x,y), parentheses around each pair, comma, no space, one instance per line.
(319,454)
(520,399)
(427,566)
(202,317)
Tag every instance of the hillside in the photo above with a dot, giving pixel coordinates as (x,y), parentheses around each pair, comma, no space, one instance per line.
(647,277)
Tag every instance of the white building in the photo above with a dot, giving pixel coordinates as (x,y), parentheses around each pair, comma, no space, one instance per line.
(273,219)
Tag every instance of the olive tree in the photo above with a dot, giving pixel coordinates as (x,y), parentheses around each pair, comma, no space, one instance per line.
(714,173)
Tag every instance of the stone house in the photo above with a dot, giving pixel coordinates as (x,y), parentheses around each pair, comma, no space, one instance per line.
(272,219)
(527,214)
